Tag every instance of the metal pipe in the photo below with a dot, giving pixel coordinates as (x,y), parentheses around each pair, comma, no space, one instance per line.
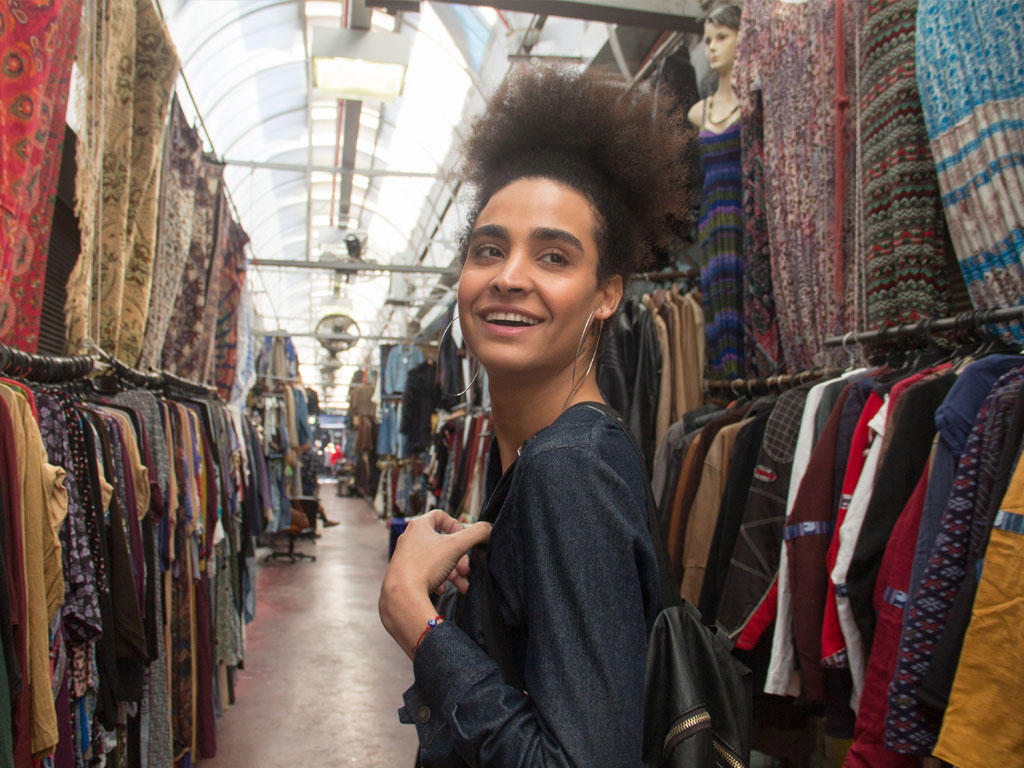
(337,169)
(982,316)
(355,266)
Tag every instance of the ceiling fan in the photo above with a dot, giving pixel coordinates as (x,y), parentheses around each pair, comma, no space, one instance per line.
(337,333)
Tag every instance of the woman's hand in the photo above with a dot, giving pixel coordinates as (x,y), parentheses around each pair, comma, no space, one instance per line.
(431,550)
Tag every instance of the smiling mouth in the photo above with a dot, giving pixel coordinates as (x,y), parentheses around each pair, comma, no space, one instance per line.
(510,319)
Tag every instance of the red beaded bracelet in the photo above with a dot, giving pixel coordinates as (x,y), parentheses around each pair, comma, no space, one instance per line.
(431,624)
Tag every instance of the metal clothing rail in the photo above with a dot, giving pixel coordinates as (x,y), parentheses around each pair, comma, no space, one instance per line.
(674,274)
(44,369)
(772,383)
(975,319)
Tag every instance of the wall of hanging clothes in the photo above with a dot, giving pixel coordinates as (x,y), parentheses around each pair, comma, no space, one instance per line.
(131,504)
(286,436)
(160,277)
(856,534)
(651,364)
(869,177)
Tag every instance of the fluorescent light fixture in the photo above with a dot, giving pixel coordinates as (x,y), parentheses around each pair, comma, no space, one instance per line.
(363,65)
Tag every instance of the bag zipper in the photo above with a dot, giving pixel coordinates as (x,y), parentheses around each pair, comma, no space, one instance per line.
(699,721)
(685,728)
(725,755)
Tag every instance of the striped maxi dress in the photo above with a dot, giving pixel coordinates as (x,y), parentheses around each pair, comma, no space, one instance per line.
(720,231)
(970,74)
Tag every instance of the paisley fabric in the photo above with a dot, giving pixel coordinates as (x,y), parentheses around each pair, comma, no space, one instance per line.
(105,57)
(189,340)
(130,67)
(760,320)
(37,43)
(230,283)
(788,53)
(156,69)
(180,172)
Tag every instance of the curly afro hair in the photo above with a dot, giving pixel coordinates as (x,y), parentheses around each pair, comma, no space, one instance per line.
(623,151)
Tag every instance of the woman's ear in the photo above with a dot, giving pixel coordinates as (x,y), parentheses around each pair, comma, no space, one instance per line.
(611,295)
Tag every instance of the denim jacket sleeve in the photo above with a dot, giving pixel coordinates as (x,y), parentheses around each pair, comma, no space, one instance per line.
(580,579)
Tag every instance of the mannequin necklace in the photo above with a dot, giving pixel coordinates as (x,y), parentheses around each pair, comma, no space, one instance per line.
(711,112)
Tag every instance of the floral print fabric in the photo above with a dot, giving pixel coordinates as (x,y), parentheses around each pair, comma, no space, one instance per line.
(37,43)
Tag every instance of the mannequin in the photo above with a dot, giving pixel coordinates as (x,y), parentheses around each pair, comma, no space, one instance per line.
(720,110)
(720,230)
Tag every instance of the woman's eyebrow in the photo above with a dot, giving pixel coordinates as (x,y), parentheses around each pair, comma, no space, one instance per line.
(490,230)
(551,233)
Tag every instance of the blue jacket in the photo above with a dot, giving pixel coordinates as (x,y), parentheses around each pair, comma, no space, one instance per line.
(575,573)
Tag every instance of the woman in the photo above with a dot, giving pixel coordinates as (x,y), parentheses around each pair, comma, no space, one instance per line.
(574,184)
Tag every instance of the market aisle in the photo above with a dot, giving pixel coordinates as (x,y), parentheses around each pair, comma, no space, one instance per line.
(323,680)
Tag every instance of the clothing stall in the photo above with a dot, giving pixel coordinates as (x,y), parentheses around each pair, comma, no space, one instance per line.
(823,370)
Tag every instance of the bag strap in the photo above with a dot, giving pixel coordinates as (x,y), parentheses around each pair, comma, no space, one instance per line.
(497,639)
(669,589)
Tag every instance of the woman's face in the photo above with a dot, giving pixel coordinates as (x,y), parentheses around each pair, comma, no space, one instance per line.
(529,283)
(720,43)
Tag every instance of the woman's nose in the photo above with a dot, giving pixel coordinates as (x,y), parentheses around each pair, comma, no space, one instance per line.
(512,275)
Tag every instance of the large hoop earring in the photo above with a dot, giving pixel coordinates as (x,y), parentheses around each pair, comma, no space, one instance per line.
(472,381)
(579,347)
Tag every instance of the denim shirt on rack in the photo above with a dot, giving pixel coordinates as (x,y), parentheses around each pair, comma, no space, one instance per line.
(576,579)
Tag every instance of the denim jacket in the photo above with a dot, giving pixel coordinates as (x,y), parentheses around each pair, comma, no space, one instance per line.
(575,573)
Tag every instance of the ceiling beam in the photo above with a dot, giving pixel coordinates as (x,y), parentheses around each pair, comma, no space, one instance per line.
(354,266)
(681,15)
(338,169)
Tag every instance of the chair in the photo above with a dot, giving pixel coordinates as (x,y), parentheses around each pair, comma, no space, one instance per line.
(308,506)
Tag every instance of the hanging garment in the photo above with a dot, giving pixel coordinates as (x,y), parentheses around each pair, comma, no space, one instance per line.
(119,152)
(749,585)
(189,339)
(762,345)
(913,726)
(629,371)
(37,43)
(970,73)
(782,678)
(909,436)
(904,229)
(983,724)
(663,414)
(889,599)
(155,72)
(44,507)
(179,171)
(787,52)
(806,538)
(227,286)
(703,517)
(720,232)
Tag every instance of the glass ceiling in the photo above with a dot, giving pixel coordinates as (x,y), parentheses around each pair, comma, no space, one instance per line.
(247,85)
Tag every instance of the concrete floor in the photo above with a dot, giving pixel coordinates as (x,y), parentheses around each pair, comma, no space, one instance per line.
(322,679)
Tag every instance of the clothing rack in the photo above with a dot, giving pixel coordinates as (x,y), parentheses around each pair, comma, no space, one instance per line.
(44,369)
(668,275)
(974,321)
(777,383)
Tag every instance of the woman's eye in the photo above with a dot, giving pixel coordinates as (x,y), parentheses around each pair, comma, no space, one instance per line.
(487,252)
(555,257)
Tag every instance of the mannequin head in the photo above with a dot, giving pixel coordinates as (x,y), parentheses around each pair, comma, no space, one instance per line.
(721,29)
